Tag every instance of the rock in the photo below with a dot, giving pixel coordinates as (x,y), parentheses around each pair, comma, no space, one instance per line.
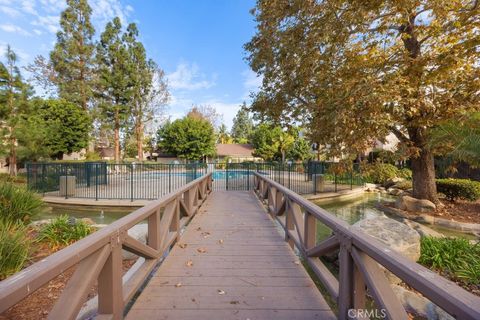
(422,230)
(394,192)
(412,204)
(138,232)
(395,235)
(419,305)
(392,181)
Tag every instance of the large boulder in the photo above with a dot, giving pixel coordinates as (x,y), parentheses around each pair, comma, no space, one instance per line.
(424,231)
(138,232)
(408,203)
(392,181)
(395,235)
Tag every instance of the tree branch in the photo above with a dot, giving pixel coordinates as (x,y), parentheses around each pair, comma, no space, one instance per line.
(399,134)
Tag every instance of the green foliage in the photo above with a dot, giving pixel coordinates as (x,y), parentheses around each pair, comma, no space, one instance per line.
(189,138)
(456,256)
(67,126)
(405,173)
(64,230)
(92,156)
(459,189)
(17,203)
(72,56)
(264,141)
(19,179)
(14,247)
(379,172)
(404,185)
(242,127)
(223,137)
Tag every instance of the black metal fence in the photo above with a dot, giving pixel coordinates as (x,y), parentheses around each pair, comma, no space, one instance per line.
(134,181)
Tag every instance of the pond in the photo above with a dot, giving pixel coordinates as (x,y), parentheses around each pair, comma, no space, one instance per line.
(98,215)
(363,207)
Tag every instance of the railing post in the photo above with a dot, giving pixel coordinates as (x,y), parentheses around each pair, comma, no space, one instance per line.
(169,177)
(110,293)
(310,228)
(345,281)
(66,180)
(289,224)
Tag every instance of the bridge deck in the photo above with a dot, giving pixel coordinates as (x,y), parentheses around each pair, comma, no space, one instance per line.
(235,265)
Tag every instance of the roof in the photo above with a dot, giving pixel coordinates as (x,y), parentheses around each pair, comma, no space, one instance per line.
(234,150)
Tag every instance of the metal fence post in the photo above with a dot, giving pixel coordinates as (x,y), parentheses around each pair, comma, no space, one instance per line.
(248,176)
(351,179)
(289,175)
(226,176)
(131,182)
(66,180)
(169,177)
(335,178)
(96,182)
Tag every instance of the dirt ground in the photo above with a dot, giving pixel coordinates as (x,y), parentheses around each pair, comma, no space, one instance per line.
(460,210)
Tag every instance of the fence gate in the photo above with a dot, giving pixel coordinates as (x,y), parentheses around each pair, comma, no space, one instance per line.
(239,176)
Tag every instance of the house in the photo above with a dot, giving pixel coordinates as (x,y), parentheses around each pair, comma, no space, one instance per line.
(235,152)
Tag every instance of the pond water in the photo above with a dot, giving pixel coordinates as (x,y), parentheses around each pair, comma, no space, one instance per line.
(98,215)
(363,207)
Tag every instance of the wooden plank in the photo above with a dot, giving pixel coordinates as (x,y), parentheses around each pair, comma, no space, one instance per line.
(252,269)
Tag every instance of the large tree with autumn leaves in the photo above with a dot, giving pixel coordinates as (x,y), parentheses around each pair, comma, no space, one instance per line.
(353,71)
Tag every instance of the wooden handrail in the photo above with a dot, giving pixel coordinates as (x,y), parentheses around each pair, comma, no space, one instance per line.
(99,256)
(357,256)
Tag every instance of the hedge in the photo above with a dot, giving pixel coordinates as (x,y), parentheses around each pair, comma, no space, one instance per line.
(454,189)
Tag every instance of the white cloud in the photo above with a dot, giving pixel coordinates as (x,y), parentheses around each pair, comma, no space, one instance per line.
(10,11)
(48,22)
(11,28)
(106,10)
(20,53)
(37,32)
(251,83)
(188,77)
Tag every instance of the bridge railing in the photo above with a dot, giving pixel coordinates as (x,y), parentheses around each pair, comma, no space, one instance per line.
(98,257)
(360,257)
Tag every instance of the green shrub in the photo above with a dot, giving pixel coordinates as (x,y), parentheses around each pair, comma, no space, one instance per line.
(455,256)
(380,172)
(459,189)
(405,173)
(17,203)
(64,230)
(404,185)
(19,179)
(14,247)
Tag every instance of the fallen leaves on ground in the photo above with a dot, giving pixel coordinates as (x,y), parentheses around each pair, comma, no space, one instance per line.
(189,263)
(178,285)
(205,234)
(221,292)
(202,250)
(182,245)
(220,241)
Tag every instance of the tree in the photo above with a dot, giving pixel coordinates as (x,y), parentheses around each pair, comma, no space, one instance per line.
(223,136)
(264,142)
(14,105)
(67,126)
(114,80)
(242,126)
(148,86)
(301,148)
(72,56)
(353,71)
(188,138)
(206,112)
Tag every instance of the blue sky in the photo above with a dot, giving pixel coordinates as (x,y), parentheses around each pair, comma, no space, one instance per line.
(197,42)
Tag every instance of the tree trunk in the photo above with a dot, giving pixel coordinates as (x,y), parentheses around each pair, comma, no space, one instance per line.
(423,168)
(117,137)
(12,161)
(139,134)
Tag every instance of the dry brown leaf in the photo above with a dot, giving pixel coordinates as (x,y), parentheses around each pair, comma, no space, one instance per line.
(199,228)
(220,241)
(189,263)
(178,285)
(221,292)
(202,250)
(297,262)
(206,234)
(182,245)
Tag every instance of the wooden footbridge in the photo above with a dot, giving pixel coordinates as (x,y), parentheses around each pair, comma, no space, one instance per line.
(219,255)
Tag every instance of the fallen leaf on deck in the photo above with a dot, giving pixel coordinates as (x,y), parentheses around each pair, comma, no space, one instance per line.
(189,263)
(297,262)
(234,302)
(202,250)
(206,234)
(221,292)
(178,285)
(220,241)
(199,228)
(182,245)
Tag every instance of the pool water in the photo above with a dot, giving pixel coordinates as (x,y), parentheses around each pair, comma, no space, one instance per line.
(98,215)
